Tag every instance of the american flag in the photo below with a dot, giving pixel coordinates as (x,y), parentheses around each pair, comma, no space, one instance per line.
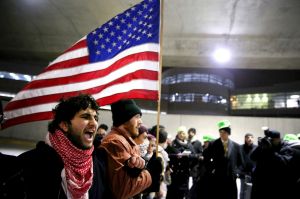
(118,60)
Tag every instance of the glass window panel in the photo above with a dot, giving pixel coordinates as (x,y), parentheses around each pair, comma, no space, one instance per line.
(265,100)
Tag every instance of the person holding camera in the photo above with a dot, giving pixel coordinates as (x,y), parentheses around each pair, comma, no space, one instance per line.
(274,175)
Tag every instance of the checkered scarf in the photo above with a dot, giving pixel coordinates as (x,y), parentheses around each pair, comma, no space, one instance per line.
(78,164)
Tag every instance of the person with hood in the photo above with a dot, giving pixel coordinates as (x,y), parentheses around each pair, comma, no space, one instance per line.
(127,175)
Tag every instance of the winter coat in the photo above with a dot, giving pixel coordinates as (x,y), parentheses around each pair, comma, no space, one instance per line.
(249,164)
(42,169)
(276,174)
(197,163)
(224,170)
(11,178)
(181,166)
(124,182)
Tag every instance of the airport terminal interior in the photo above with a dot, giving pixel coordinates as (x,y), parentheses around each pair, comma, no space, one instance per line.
(236,59)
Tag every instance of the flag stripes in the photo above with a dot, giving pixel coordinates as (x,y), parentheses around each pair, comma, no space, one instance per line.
(132,71)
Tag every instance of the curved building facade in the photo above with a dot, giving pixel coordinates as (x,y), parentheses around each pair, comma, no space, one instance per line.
(196,91)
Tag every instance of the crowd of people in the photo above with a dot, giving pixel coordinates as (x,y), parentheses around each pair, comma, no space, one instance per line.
(79,159)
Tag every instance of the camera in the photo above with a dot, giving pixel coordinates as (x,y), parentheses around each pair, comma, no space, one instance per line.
(264,141)
(272,134)
(267,140)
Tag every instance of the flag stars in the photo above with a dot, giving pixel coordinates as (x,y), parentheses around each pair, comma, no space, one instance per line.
(125,30)
(105,29)
(110,23)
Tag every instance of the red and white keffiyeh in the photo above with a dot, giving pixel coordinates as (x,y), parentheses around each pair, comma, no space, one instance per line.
(78,164)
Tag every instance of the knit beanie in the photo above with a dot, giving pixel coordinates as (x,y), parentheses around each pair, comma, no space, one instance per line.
(249,135)
(162,136)
(123,111)
(143,129)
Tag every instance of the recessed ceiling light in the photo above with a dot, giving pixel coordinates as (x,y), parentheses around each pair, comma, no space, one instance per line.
(295,96)
(222,55)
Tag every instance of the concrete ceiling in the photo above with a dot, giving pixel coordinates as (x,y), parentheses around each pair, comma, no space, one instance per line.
(262,34)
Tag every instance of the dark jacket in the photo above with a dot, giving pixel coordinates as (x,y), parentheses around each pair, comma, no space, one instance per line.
(277,172)
(42,168)
(197,163)
(224,169)
(182,165)
(11,178)
(249,164)
(181,168)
